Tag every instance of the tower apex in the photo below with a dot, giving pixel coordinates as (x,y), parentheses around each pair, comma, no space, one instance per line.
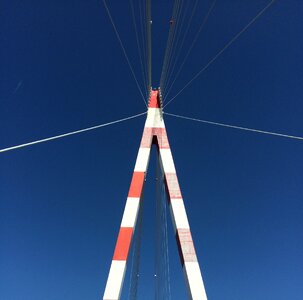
(155,99)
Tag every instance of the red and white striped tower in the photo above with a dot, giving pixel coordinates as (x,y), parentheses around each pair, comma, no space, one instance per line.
(155,132)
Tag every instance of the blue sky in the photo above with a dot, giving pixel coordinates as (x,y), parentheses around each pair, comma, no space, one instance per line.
(61,202)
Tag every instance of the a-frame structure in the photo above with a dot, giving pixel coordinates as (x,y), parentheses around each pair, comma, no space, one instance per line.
(155,133)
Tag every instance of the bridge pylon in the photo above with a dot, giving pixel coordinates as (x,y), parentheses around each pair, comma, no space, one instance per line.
(155,133)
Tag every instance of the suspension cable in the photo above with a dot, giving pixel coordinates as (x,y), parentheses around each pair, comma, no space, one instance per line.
(222,50)
(184,38)
(167,270)
(191,46)
(149,43)
(237,127)
(162,276)
(169,41)
(158,257)
(143,20)
(70,133)
(139,48)
(175,23)
(177,32)
(135,267)
(124,51)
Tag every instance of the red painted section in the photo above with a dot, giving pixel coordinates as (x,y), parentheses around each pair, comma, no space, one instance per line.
(186,247)
(149,133)
(154,100)
(136,185)
(147,137)
(172,184)
(123,243)
(161,138)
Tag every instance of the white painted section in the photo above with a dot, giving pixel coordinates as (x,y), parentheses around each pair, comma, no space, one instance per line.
(179,213)
(114,281)
(167,161)
(154,118)
(195,281)
(142,159)
(130,212)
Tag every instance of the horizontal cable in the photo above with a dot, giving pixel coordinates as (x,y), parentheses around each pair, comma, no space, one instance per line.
(70,133)
(237,127)
(222,50)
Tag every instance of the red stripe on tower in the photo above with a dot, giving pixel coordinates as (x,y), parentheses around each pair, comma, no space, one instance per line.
(147,137)
(123,243)
(161,138)
(186,246)
(136,185)
(154,100)
(149,133)
(172,184)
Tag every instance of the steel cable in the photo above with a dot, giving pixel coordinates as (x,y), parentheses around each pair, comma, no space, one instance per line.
(184,37)
(168,43)
(149,43)
(69,133)
(178,21)
(139,48)
(191,46)
(142,18)
(162,276)
(222,50)
(237,127)
(135,267)
(124,51)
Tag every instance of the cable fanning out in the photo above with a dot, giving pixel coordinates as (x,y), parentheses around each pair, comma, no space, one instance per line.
(222,50)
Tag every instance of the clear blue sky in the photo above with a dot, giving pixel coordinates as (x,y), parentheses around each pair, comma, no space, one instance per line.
(61,202)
